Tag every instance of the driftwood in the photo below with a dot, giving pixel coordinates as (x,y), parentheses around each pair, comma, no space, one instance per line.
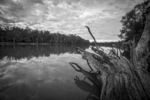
(120,78)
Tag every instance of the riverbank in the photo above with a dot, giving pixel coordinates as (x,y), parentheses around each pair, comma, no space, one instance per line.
(32,44)
(10,43)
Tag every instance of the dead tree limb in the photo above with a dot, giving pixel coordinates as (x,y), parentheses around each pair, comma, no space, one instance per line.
(92,36)
(95,42)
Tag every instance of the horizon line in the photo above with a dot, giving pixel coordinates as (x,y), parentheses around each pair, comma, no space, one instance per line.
(105,40)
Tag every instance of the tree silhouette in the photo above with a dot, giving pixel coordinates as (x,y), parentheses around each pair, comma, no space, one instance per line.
(133,22)
(27,35)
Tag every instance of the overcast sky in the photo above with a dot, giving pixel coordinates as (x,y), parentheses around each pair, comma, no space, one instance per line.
(68,16)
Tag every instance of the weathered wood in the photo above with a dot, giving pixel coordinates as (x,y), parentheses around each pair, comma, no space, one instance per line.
(92,36)
(141,51)
(91,76)
(121,79)
(139,58)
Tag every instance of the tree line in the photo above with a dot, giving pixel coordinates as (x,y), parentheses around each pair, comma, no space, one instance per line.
(28,51)
(27,35)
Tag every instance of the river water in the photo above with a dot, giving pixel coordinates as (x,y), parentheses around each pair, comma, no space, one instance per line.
(43,73)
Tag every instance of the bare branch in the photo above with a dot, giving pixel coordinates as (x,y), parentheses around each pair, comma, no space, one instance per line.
(92,37)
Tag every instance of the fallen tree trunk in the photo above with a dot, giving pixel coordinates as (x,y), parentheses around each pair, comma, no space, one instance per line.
(121,79)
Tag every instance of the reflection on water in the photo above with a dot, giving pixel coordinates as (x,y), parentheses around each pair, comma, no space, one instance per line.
(94,88)
(86,86)
(18,52)
(43,73)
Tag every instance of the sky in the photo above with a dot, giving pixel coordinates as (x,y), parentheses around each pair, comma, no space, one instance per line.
(68,16)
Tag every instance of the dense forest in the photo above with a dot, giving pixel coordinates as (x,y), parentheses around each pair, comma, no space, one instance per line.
(19,35)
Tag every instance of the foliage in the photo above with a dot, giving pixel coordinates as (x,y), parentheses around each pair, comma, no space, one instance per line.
(133,22)
(27,35)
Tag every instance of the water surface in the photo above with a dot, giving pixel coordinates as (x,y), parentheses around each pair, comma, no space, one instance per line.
(43,73)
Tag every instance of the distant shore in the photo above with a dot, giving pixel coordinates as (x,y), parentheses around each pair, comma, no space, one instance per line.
(10,43)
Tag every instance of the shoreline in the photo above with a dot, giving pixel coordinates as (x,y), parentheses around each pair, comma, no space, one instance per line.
(9,43)
(36,44)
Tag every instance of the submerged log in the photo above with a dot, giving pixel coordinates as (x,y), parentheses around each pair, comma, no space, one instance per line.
(121,79)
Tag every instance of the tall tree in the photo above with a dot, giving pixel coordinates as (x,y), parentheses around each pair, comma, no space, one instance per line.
(133,22)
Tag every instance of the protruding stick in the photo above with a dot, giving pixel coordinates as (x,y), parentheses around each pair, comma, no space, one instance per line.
(92,36)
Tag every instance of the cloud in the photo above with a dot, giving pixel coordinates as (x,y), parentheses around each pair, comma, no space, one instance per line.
(67,16)
(37,1)
(18,8)
(6,20)
(4,2)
